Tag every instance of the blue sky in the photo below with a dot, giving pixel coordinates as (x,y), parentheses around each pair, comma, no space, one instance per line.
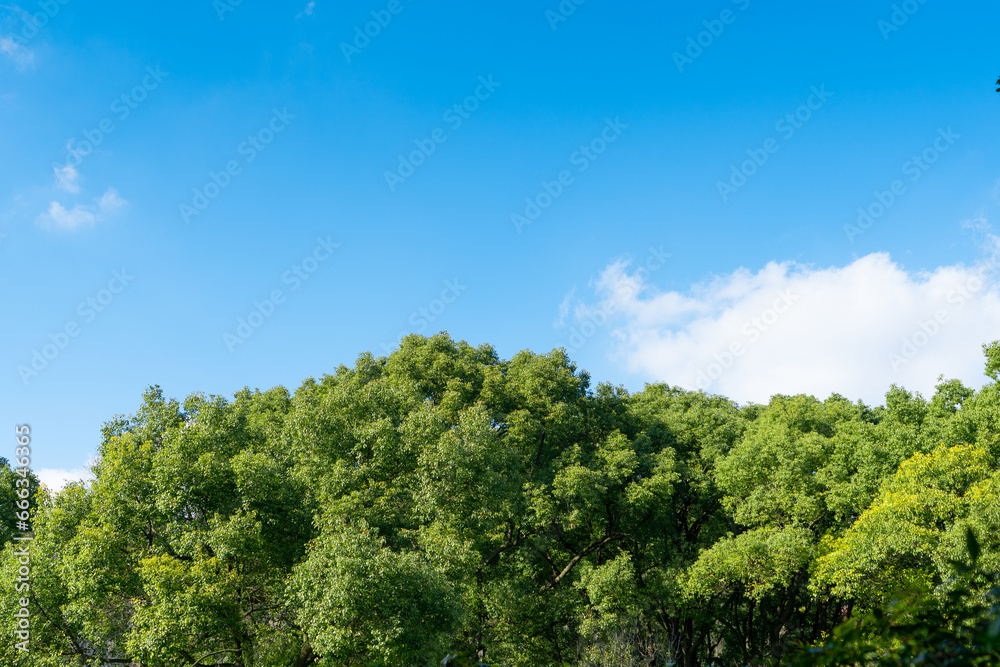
(178,164)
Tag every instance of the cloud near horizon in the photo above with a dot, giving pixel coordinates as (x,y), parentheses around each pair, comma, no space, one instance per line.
(789,329)
(57,478)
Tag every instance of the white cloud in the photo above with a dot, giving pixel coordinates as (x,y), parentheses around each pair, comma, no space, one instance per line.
(57,479)
(564,308)
(82,215)
(61,218)
(110,203)
(67,178)
(308,11)
(787,328)
(19,53)
(11,46)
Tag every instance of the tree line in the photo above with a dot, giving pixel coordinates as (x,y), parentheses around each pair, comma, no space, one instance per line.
(442,505)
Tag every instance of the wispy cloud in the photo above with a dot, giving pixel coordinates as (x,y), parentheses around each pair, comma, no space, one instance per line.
(60,217)
(81,215)
(564,308)
(67,178)
(308,11)
(19,53)
(110,203)
(11,46)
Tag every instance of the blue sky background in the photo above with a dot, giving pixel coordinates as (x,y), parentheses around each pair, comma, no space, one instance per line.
(324,175)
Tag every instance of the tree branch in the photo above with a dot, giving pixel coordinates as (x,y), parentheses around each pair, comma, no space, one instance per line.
(209,655)
(594,546)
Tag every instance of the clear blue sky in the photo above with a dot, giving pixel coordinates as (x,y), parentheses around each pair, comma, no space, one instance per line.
(202,83)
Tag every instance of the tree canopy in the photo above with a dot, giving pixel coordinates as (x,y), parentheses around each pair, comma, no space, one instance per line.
(445,506)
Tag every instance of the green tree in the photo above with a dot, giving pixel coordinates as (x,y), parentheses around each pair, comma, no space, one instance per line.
(444,504)
(181,549)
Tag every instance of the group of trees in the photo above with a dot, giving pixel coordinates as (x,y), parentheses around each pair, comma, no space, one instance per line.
(445,506)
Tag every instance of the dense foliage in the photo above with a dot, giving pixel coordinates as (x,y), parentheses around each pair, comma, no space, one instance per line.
(445,506)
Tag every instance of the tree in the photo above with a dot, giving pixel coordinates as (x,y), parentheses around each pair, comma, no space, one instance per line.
(960,627)
(443,504)
(181,549)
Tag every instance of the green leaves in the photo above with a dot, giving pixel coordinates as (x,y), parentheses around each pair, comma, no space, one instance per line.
(992,352)
(776,475)
(755,563)
(957,627)
(443,502)
(358,599)
(902,541)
